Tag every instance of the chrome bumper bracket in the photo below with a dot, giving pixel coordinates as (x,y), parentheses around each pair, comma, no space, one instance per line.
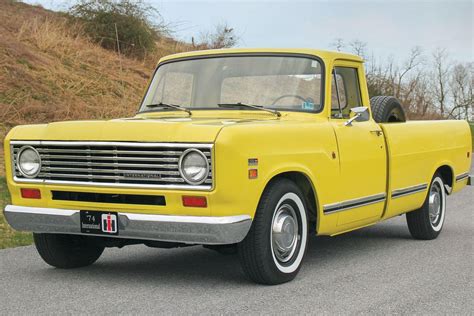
(186,229)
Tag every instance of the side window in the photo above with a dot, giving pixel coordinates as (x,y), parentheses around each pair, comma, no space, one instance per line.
(339,95)
(345,91)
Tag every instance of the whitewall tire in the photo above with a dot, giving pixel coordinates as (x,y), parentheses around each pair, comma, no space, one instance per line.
(273,250)
(427,222)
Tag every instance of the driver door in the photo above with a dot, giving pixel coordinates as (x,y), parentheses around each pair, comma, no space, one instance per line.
(362,152)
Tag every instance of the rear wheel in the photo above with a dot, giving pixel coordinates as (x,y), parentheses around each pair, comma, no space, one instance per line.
(67,251)
(426,223)
(274,248)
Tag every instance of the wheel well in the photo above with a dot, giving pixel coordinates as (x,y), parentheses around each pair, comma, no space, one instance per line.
(447,174)
(306,186)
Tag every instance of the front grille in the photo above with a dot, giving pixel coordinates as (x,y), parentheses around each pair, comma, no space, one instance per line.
(112,163)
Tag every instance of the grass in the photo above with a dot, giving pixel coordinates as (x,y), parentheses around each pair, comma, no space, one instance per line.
(9,237)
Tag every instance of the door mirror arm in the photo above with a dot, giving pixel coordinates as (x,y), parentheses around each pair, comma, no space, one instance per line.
(361,115)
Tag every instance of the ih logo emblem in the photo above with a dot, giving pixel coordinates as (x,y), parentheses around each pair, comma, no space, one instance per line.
(109,223)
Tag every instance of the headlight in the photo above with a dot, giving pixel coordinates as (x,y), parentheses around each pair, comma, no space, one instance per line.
(29,162)
(193,166)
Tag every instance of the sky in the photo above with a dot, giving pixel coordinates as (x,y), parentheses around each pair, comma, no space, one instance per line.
(390,28)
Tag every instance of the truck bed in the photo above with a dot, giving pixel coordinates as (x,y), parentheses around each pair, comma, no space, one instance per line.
(416,149)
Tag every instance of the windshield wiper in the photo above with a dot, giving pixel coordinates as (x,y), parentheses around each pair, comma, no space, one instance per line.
(172,106)
(252,106)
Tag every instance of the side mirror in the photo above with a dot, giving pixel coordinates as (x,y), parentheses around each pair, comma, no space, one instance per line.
(361,115)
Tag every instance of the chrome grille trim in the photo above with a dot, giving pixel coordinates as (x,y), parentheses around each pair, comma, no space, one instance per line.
(92,151)
(104,164)
(112,164)
(161,159)
(161,172)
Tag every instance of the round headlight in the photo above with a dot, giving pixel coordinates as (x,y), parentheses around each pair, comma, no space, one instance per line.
(29,162)
(193,166)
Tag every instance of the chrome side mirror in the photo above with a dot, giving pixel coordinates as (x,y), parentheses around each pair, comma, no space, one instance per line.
(361,115)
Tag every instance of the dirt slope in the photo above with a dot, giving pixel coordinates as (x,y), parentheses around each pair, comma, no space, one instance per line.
(49,71)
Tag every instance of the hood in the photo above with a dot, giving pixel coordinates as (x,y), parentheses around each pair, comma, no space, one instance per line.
(177,129)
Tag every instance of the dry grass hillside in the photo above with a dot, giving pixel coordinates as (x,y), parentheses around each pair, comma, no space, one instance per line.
(50,71)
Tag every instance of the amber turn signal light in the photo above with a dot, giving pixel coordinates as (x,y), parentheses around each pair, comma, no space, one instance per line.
(253,173)
(30,193)
(194,201)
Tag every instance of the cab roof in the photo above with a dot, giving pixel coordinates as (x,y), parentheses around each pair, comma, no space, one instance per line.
(325,55)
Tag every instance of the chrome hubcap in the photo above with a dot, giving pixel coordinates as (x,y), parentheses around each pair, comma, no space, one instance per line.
(435,204)
(285,234)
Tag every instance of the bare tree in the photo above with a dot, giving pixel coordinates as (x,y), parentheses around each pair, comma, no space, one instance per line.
(389,78)
(440,77)
(359,48)
(462,86)
(422,96)
(338,44)
(427,88)
(413,61)
(379,77)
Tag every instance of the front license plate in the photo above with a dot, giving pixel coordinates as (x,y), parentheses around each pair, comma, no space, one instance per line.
(99,223)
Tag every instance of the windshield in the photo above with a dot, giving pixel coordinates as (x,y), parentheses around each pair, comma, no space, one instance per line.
(277,82)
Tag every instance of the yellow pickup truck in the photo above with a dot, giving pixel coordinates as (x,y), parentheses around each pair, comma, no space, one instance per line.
(247,150)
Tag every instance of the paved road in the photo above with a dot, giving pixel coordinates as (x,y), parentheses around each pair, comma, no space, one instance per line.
(378,270)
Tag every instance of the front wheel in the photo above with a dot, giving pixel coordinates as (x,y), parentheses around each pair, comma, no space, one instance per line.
(274,248)
(426,223)
(67,251)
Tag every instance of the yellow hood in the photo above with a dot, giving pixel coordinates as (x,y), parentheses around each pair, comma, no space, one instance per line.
(177,129)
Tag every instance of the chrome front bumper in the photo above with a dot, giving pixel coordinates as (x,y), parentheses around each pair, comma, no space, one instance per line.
(185,229)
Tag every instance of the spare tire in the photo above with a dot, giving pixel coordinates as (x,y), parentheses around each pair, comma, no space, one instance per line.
(386,109)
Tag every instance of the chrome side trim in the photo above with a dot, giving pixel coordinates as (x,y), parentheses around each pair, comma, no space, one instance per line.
(462,177)
(350,204)
(186,229)
(409,190)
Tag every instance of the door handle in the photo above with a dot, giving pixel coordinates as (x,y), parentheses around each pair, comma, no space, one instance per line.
(377,132)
